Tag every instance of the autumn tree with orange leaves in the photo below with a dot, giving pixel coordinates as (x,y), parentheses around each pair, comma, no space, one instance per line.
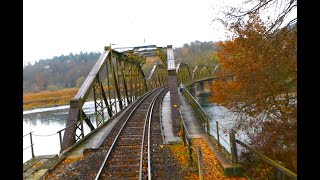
(263,90)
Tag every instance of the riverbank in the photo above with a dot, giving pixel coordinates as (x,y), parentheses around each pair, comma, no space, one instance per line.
(48,98)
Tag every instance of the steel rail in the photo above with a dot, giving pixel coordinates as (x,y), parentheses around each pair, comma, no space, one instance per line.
(120,131)
(148,117)
(149,132)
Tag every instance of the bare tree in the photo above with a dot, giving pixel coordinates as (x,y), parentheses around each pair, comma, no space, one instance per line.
(276,12)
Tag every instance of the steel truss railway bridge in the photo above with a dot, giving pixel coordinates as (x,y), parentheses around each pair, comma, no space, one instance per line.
(117,85)
(117,80)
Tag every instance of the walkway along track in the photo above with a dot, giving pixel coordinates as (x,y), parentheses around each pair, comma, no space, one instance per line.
(129,154)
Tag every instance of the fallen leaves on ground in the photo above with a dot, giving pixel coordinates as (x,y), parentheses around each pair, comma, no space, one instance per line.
(181,154)
(211,166)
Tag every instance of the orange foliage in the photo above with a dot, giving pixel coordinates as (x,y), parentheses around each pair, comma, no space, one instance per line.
(45,98)
(262,91)
(211,166)
(181,154)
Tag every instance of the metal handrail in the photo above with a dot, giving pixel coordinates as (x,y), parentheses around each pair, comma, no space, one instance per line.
(27,133)
(44,134)
(31,143)
(204,117)
(185,138)
(268,160)
(58,132)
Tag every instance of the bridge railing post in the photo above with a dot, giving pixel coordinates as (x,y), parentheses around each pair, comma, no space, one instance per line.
(183,134)
(190,150)
(60,139)
(217,128)
(200,165)
(208,125)
(233,146)
(32,152)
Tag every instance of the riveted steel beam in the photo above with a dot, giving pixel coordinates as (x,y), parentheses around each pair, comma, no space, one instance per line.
(116,80)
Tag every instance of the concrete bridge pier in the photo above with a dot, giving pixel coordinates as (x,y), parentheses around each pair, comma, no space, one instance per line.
(173,88)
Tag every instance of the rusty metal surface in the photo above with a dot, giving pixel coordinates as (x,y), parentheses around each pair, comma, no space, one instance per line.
(114,82)
(69,137)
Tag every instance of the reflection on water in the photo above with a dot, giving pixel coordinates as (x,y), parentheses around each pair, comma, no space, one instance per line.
(220,114)
(224,117)
(43,123)
(47,121)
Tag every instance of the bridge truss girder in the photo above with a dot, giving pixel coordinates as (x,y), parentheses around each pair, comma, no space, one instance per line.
(186,76)
(114,82)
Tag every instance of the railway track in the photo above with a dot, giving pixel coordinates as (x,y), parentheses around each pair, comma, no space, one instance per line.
(119,156)
(129,155)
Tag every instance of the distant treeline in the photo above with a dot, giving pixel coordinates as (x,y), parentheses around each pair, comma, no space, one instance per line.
(60,72)
(67,71)
(197,52)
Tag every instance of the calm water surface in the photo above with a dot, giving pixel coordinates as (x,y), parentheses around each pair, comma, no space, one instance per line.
(47,121)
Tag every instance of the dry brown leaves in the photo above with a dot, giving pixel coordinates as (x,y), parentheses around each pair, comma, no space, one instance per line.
(60,168)
(211,166)
(181,154)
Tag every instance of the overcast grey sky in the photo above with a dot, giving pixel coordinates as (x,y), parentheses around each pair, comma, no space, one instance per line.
(55,27)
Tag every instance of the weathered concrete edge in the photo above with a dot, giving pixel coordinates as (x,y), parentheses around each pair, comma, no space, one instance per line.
(28,164)
(229,169)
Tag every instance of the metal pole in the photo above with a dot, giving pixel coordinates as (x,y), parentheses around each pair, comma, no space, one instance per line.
(32,152)
(183,134)
(208,125)
(233,145)
(190,150)
(82,130)
(200,166)
(60,138)
(218,138)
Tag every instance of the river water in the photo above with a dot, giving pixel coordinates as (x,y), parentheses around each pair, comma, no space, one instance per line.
(47,121)
(44,123)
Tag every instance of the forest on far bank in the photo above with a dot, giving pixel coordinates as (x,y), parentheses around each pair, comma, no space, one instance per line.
(69,71)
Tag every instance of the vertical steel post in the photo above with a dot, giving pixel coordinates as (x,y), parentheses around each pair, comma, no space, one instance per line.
(190,150)
(60,138)
(32,152)
(208,125)
(131,84)
(183,134)
(106,101)
(81,123)
(95,105)
(200,165)
(135,75)
(116,87)
(125,82)
(218,138)
(109,90)
(233,145)
(82,130)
